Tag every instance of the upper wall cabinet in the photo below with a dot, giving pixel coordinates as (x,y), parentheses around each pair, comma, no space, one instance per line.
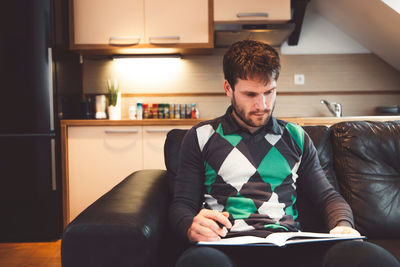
(177,21)
(253,11)
(141,26)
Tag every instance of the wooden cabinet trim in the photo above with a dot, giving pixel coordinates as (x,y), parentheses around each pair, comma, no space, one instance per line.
(145,122)
(65,174)
(214,94)
(183,122)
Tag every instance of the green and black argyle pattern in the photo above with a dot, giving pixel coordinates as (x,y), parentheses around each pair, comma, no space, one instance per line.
(253,177)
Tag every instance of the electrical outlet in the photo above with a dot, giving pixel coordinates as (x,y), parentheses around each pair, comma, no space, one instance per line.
(299,79)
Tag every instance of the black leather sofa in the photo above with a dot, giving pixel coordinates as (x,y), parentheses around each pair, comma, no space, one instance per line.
(128,226)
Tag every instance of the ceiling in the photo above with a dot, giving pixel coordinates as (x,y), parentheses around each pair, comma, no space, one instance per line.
(372,23)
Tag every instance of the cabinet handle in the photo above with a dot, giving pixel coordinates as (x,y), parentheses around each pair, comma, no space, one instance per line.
(124,41)
(121,131)
(251,14)
(164,39)
(157,130)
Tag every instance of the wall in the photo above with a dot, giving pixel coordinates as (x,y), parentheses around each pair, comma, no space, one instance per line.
(319,36)
(372,23)
(336,68)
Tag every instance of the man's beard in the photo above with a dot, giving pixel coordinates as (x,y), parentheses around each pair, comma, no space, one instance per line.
(242,116)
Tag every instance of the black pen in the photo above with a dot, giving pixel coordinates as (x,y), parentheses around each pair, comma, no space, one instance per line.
(206,206)
(220,224)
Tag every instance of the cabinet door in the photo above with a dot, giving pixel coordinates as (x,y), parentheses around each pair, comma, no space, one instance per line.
(176,21)
(251,10)
(153,145)
(98,159)
(118,22)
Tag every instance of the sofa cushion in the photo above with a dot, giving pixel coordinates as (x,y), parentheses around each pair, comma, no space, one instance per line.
(367,164)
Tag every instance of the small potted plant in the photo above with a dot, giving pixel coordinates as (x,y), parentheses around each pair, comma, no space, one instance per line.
(114,95)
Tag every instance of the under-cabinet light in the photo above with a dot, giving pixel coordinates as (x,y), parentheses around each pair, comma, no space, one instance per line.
(155,56)
(148,70)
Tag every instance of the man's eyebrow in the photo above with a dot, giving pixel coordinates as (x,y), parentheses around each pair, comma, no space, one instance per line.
(249,92)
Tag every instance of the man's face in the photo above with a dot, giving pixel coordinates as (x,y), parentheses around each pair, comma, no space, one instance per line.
(253,101)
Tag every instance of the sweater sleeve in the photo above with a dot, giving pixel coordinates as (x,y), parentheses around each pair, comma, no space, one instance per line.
(188,186)
(312,179)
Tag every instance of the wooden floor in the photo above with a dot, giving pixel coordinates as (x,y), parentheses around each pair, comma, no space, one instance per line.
(46,254)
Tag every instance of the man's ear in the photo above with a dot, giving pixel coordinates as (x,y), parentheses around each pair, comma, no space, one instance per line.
(228,89)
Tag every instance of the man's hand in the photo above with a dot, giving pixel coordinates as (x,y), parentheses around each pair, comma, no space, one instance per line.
(344,230)
(205,228)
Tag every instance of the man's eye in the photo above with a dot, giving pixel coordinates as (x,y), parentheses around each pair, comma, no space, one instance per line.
(269,92)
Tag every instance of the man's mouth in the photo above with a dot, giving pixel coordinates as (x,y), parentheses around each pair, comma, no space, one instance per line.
(259,114)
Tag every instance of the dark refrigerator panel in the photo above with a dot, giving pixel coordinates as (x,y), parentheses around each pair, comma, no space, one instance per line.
(28,188)
(34,69)
(27,96)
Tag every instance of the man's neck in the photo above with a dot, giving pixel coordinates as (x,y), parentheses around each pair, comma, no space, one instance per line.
(251,129)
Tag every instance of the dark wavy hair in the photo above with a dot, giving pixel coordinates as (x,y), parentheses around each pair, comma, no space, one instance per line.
(251,59)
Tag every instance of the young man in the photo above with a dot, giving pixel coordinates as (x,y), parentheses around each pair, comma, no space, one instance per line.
(239,173)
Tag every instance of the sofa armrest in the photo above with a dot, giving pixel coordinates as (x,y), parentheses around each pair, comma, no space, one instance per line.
(123,227)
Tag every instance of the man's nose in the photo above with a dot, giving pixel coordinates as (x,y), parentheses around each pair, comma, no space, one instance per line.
(261,102)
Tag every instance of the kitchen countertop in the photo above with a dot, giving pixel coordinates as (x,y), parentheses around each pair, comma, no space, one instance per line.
(126,122)
(153,122)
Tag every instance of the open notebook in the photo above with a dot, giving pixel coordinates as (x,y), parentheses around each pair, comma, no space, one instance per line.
(279,239)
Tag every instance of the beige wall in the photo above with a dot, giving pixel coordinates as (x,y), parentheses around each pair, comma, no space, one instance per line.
(360,82)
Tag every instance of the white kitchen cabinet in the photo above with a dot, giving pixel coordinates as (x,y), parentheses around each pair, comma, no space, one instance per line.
(105,21)
(176,21)
(251,10)
(153,145)
(135,26)
(99,157)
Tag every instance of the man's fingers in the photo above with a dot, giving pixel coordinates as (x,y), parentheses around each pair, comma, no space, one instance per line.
(336,231)
(205,226)
(205,231)
(201,233)
(210,224)
(344,230)
(196,237)
(225,213)
(217,216)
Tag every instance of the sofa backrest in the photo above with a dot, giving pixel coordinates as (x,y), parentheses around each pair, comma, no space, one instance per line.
(171,154)
(321,137)
(309,217)
(367,164)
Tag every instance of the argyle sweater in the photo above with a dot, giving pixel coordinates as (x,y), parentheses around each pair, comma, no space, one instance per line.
(252,176)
